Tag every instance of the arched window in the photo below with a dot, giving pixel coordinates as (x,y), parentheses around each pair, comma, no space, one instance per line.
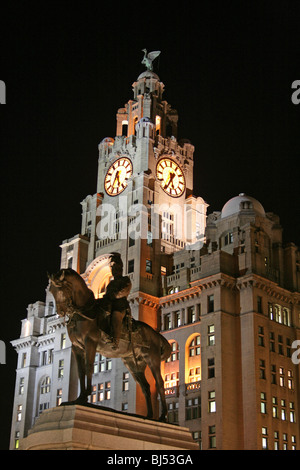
(175,352)
(193,359)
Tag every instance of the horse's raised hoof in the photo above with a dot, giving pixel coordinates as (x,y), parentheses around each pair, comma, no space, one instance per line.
(162,419)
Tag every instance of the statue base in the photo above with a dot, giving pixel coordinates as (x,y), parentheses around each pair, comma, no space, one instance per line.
(76,427)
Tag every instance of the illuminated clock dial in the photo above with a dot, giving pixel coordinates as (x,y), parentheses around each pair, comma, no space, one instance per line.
(117,176)
(171,177)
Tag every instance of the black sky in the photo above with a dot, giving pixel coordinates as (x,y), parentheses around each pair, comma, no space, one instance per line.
(68,66)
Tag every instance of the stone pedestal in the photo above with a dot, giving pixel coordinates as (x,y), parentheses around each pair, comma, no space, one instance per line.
(76,427)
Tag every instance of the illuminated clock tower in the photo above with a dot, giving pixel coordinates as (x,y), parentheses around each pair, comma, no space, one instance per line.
(144,206)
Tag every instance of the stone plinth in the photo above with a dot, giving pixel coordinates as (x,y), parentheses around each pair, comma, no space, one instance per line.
(76,427)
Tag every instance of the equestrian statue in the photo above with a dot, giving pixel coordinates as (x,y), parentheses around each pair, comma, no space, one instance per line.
(106,326)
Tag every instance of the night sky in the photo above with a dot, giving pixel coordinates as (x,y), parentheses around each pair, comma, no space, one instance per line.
(228,68)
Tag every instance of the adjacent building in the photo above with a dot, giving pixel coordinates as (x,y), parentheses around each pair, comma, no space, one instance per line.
(222,289)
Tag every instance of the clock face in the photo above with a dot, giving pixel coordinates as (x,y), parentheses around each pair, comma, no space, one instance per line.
(117,176)
(171,177)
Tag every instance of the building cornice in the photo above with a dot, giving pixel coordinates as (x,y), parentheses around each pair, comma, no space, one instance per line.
(269,287)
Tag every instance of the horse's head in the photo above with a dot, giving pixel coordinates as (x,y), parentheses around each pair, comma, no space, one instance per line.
(69,291)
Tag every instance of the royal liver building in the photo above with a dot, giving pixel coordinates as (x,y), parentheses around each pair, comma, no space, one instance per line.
(222,289)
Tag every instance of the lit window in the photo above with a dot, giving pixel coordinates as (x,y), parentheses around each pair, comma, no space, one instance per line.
(58,396)
(60,368)
(17,439)
(63,341)
(292,412)
(274,407)
(263,403)
(194,348)
(212,402)
(195,374)
(19,412)
(283,410)
(107,391)
(125,384)
(21,386)
(264,432)
(211,335)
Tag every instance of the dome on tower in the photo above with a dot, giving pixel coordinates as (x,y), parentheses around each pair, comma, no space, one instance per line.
(241,203)
(148,74)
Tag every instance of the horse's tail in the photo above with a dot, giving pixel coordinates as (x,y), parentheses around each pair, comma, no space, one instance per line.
(166,348)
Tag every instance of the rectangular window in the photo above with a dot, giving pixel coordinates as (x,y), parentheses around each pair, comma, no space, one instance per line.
(262,369)
(193,408)
(125,384)
(283,410)
(264,432)
(210,367)
(94,394)
(167,322)
(173,412)
(272,341)
(44,358)
(228,239)
(100,392)
(259,304)
(21,385)
(63,341)
(17,439)
(24,359)
(276,440)
(107,390)
(191,314)
(19,412)
(212,437)
(290,380)
(263,403)
(261,340)
(274,407)
(177,318)
(210,303)
(60,368)
(292,412)
(148,266)
(211,335)
(50,356)
(130,266)
(212,401)
(58,396)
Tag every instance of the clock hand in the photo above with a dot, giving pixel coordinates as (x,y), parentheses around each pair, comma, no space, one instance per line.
(171,176)
(117,177)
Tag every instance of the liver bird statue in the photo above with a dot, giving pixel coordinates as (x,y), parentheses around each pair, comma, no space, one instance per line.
(149,58)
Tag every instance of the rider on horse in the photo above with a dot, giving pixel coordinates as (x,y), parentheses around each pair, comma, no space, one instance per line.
(116,298)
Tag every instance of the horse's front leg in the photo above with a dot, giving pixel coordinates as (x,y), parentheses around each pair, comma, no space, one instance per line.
(80,360)
(90,352)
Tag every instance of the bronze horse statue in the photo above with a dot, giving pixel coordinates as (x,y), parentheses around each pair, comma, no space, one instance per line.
(89,328)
